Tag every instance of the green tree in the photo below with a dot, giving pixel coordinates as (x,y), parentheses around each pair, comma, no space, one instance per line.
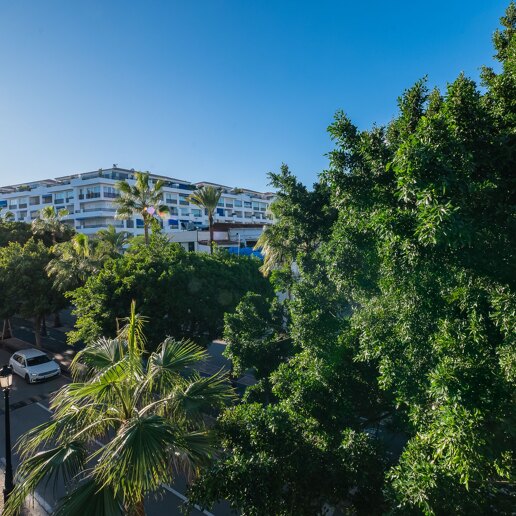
(303,219)
(113,240)
(50,221)
(11,231)
(403,315)
(143,198)
(208,198)
(27,289)
(256,337)
(424,246)
(74,262)
(148,415)
(187,294)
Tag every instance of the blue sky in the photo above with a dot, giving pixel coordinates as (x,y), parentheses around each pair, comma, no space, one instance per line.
(215,90)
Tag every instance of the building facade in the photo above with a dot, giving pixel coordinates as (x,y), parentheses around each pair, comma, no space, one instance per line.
(89,197)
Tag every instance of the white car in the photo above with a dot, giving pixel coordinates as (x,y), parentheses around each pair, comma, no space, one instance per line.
(34,365)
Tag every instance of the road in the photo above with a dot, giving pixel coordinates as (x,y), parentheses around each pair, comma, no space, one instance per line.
(30,407)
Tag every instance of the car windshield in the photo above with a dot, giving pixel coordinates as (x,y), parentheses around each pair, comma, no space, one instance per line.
(43,359)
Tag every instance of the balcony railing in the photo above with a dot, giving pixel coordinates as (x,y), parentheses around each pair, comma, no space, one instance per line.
(93,195)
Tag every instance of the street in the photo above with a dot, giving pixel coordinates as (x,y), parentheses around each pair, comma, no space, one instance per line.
(30,407)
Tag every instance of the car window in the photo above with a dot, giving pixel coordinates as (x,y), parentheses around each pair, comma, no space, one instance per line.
(42,359)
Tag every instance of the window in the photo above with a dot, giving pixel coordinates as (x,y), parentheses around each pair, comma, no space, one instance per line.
(129,223)
(196,212)
(185,212)
(111,192)
(33,201)
(191,246)
(238,203)
(173,210)
(229,205)
(22,215)
(59,198)
(170,198)
(139,223)
(90,192)
(47,198)
(42,359)
(183,200)
(247,204)
(34,214)
(22,202)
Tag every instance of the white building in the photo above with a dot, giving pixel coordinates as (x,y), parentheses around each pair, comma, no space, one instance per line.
(89,196)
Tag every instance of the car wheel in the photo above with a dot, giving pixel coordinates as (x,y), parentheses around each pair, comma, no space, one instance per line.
(27,379)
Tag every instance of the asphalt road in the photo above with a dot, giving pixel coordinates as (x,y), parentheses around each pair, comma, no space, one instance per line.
(30,407)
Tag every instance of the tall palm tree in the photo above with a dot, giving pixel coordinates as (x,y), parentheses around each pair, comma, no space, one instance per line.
(114,240)
(142,198)
(74,262)
(50,221)
(207,197)
(124,427)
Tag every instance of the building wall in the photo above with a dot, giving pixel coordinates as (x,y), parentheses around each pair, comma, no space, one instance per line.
(89,199)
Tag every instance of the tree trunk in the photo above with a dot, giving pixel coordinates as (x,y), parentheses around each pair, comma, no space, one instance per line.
(146,231)
(137,509)
(44,331)
(37,330)
(211,233)
(57,320)
(7,331)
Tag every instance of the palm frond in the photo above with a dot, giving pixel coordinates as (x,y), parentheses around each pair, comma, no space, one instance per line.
(62,462)
(200,394)
(90,499)
(173,357)
(98,356)
(136,461)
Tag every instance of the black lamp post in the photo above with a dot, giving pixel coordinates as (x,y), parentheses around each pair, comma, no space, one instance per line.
(6,380)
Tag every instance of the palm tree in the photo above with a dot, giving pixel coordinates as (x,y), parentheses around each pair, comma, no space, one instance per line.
(208,198)
(50,221)
(141,198)
(8,215)
(125,427)
(74,262)
(113,240)
(274,249)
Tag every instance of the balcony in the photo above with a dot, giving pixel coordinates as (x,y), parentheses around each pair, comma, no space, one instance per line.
(94,195)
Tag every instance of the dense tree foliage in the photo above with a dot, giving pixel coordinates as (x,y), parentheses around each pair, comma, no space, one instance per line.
(187,294)
(26,288)
(403,312)
(75,261)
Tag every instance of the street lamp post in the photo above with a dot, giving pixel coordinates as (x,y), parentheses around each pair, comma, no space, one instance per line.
(6,380)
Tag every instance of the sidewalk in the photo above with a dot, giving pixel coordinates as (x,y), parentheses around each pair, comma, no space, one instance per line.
(32,506)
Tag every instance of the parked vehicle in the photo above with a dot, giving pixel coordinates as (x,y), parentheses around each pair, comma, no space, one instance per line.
(34,365)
